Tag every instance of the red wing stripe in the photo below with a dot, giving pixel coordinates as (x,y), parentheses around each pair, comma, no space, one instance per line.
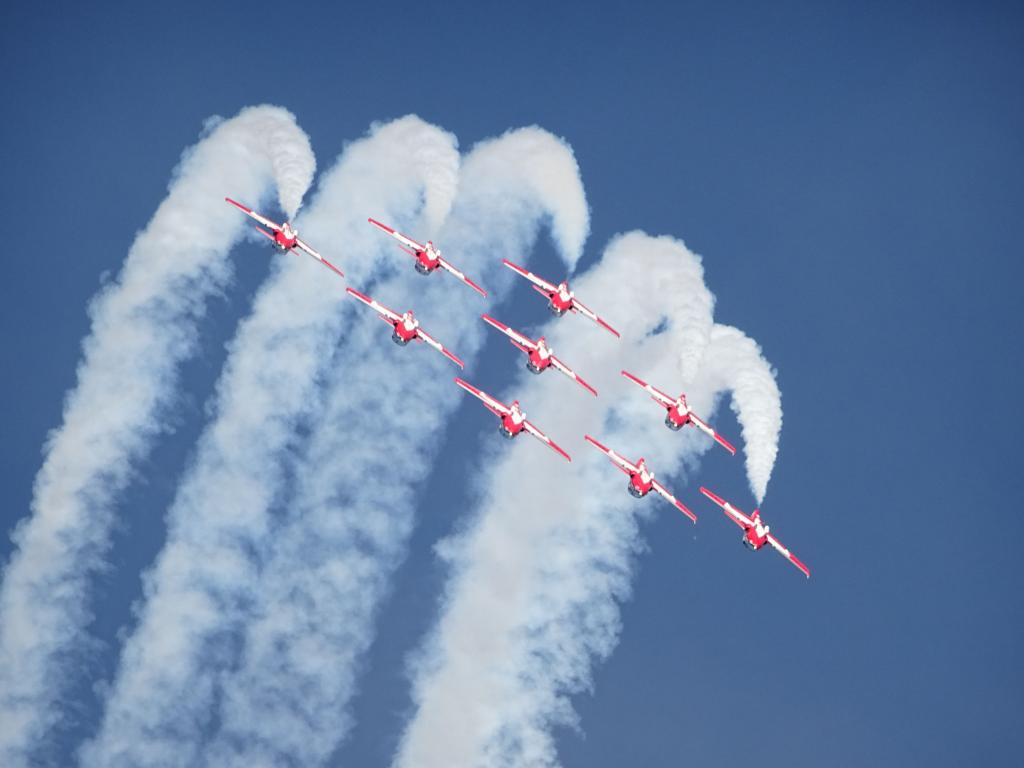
(572,375)
(539,281)
(495,405)
(385,227)
(793,559)
(476,287)
(725,444)
(532,429)
(438,346)
(397,235)
(656,393)
(453,358)
(605,325)
(375,305)
(714,497)
(331,266)
(555,447)
(514,335)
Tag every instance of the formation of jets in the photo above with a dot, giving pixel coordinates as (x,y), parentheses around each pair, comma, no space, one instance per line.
(512,420)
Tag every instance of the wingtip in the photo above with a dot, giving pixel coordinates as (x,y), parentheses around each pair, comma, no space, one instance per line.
(712,495)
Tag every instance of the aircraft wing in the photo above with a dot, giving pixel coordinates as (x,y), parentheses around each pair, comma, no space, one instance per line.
(408,242)
(706,428)
(538,281)
(572,375)
(251,213)
(520,340)
(583,310)
(301,244)
(493,405)
(544,439)
(788,555)
(430,340)
(655,393)
(626,466)
(447,267)
(676,502)
(731,512)
(375,305)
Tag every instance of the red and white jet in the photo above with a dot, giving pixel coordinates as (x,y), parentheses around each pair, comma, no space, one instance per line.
(540,355)
(641,479)
(560,298)
(406,327)
(284,236)
(755,532)
(679,413)
(513,420)
(428,257)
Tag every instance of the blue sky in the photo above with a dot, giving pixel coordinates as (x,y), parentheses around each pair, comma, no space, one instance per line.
(852,179)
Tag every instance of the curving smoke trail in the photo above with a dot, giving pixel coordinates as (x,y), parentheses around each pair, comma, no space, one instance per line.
(203,584)
(288,702)
(143,327)
(735,363)
(537,579)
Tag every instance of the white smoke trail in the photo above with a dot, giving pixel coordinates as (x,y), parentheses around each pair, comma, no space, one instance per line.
(533,601)
(143,326)
(735,363)
(288,702)
(202,586)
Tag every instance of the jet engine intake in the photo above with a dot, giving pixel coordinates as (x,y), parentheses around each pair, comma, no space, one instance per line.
(675,427)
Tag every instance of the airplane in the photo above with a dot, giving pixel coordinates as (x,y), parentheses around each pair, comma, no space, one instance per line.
(560,298)
(513,420)
(284,236)
(679,413)
(406,327)
(755,532)
(428,257)
(641,479)
(540,355)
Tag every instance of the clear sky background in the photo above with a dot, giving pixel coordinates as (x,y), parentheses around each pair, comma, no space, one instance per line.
(852,178)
